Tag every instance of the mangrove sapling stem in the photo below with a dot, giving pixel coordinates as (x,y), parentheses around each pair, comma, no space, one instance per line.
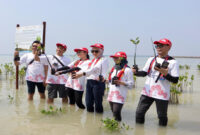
(135,42)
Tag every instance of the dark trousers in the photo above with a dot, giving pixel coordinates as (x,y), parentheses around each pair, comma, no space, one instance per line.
(94,95)
(144,104)
(116,110)
(75,97)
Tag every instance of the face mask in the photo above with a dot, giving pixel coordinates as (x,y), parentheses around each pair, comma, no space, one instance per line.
(119,65)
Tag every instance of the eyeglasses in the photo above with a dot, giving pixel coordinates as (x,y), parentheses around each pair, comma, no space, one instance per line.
(160,46)
(95,51)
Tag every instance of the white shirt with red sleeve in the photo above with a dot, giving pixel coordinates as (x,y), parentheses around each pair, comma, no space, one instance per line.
(35,70)
(161,89)
(98,66)
(52,79)
(77,84)
(118,94)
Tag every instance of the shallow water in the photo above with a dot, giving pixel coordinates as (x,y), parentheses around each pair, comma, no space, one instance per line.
(21,117)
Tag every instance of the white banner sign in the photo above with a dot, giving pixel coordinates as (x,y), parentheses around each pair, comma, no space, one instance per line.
(25,36)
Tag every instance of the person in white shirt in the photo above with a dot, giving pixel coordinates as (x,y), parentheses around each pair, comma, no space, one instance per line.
(96,74)
(75,87)
(56,84)
(160,71)
(36,72)
(120,81)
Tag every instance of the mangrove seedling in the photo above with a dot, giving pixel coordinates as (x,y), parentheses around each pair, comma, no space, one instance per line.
(38,38)
(52,111)
(113,125)
(181,67)
(198,66)
(174,94)
(10,98)
(9,68)
(187,67)
(22,73)
(135,42)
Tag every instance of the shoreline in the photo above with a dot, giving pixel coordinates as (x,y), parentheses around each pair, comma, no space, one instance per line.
(193,57)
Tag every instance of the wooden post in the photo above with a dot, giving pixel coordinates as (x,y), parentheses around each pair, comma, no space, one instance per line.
(17,70)
(44,35)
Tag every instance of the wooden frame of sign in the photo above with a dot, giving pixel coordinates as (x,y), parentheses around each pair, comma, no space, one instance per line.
(43,41)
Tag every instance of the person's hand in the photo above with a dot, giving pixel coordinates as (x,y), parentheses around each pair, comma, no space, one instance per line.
(16,53)
(102,79)
(118,82)
(134,70)
(77,75)
(44,82)
(163,71)
(106,81)
(58,73)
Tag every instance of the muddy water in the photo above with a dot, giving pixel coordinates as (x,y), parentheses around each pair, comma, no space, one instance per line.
(20,117)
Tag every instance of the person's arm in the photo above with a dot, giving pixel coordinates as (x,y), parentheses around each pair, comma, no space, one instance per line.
(22,60)
(105,67)
(173,74)
(144,71)
(140,73)
(171,78)
(16,63)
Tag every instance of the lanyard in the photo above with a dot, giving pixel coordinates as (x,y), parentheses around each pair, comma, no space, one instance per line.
(151,65)
(90,64)
(119,75)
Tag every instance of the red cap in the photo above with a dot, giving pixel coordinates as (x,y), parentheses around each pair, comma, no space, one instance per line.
(98,45)
(63,45)
(81,49)
(163,41)
(119,54)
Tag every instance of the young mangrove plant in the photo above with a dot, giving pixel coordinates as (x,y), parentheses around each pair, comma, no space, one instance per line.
(174,93)
(187,67)
(113,125)
(181,67)
(0,71)
(52,111)
(191,82)
(9,69)
(198,66)
(11,98)
(22,74)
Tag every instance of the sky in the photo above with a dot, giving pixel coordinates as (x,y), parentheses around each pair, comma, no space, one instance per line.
(81,23)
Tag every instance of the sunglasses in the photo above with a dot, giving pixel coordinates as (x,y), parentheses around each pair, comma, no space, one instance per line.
(79,51)
(95,51)
(160,46)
